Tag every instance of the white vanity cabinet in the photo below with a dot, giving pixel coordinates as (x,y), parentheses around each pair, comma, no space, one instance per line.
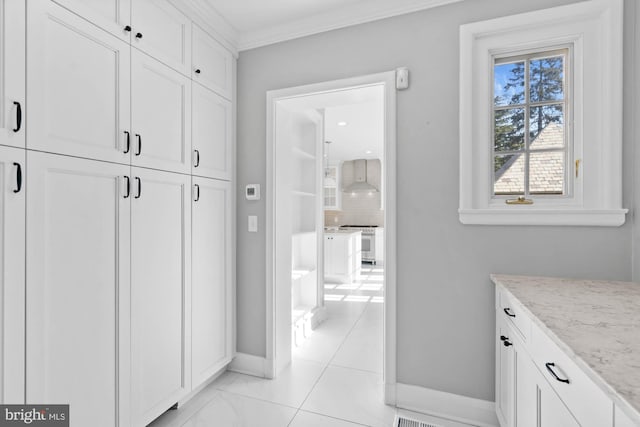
(538,383)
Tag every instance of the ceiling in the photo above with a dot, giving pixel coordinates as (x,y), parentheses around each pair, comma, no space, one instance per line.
(362,111)
(254,23)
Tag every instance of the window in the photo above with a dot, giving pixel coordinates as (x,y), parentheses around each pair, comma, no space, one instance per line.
(529,139)
(541,117)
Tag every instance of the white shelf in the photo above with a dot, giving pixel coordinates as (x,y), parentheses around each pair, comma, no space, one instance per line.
(303,193)
(303,154)
(300,311)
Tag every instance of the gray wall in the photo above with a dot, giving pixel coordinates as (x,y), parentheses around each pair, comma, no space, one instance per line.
(445,298)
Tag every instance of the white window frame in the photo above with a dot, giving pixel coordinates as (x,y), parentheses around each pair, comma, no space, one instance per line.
(593,32)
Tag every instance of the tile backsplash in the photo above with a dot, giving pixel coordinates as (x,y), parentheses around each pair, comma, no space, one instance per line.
(357,209)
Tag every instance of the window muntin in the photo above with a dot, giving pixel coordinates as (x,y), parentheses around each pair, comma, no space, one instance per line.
(530,151)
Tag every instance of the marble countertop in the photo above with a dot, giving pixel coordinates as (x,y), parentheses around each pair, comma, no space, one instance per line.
(341,232)
(596,323)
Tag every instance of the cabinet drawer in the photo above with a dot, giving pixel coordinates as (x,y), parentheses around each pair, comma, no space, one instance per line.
(588,403)
(513,311)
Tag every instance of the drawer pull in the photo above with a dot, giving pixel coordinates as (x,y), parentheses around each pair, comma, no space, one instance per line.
(507,343)
(502,338)
(552,372)
(507,311)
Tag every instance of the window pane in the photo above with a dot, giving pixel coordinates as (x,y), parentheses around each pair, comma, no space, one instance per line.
(546,79)
(546,172)
(546,127)
(508,84)
(509,174)
(509,129)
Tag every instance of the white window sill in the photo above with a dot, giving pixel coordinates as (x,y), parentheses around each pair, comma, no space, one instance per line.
(577,217)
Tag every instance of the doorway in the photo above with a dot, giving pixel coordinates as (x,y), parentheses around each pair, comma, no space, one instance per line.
(295,212)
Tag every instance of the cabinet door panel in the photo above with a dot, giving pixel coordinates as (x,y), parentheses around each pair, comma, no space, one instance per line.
(12,71)
(160,253)
(110,15)
(212,63)
(212,134)
(166,33)
(161,102)
(78,287)
(212,292)
(552,411)
(78,86)
(12,285)
(505,375)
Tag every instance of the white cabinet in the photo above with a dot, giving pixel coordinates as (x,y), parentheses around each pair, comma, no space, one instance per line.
(505,374)
(160,291)
(77,333)
(12,274)
(113,16)
(162,31)
(12,83)
(160,117)
(212,292)
(78,78)
(331,187)
(213,65)
(212,134)
(342,256)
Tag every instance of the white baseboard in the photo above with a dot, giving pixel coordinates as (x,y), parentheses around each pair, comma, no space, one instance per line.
(249,364)
(454,407)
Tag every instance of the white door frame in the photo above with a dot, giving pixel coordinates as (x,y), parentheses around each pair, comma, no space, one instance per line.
(388,80)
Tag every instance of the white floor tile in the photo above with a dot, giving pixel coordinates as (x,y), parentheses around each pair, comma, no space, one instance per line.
(351,395)
(230,410)
(289,388)
(325,340)
(308,419)
(363,350)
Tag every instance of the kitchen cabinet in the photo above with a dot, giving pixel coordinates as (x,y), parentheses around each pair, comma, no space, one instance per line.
(342,257)
(213,65)
(160,116)
(160,291)
(212,291)
(77,288)
(12,274)
(505,374)
(78,79)
(332,190)
(212,134)
(113,16)
(163,32)
(12,84)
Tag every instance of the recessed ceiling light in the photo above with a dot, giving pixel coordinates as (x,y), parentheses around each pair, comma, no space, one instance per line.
(368,152)
(342,123)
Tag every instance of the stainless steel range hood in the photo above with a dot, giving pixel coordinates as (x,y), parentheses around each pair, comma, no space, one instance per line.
(361,182)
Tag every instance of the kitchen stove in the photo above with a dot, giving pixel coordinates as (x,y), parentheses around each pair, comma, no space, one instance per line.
(368,240)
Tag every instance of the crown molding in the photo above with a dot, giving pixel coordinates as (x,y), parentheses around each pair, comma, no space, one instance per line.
(208,18)
(353,14)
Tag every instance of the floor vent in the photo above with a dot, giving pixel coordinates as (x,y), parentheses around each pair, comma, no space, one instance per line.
(402,421)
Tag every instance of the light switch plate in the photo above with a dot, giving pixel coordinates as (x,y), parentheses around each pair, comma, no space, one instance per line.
(252,224)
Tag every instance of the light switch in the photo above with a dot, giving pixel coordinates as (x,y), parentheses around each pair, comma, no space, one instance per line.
(253,224)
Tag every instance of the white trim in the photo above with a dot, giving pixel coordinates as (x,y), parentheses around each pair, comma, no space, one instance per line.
(387,79)
(577,217)
(352,14)
(594,31)
(249,364)
(450,406)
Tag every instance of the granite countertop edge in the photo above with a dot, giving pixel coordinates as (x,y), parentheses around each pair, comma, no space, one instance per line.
(620,401)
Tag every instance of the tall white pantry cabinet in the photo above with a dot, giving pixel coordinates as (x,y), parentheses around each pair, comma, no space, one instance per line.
(117,207)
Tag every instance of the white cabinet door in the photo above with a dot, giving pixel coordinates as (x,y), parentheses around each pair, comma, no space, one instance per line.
(12,285)
(111,15)
(162,31)
(505,374)
(552,411)
(213,64)
(212,290)
(212,134)
(12,72)
(161,122)
(160,291)
(78,287)
(78,80)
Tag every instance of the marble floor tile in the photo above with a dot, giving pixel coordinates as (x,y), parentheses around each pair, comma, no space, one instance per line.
(350,395)
(309,419)
(289,388)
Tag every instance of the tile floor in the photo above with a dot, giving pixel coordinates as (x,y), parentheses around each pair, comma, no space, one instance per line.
(334,380)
